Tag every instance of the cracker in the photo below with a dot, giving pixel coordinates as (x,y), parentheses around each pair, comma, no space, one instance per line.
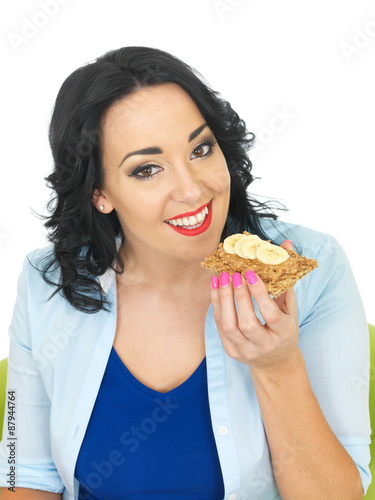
(277,278)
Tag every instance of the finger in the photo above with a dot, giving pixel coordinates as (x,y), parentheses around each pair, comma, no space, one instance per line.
(287,244)
(291,303)
(268,308)
(248,322)
(215,298)
(287,302)
(228,313)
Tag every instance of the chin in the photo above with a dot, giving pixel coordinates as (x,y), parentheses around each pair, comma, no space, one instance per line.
(210,247)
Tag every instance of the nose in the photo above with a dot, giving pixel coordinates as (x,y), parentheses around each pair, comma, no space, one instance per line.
(187,185)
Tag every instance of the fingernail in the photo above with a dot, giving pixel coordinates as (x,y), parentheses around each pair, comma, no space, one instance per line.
(288,241)
(224,279)
(236,280)
(251,277)
(215,282)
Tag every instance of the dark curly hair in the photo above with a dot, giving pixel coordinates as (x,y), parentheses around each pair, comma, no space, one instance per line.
(84,240)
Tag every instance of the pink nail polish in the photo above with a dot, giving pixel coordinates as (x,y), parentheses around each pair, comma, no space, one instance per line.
(215,282)
(224,279)
(236,280)
(288,241)
(251,277)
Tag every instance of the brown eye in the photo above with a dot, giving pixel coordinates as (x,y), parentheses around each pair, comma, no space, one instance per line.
(199,151)
(147,171)
(202,150)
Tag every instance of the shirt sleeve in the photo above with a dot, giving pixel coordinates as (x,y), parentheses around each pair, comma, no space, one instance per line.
(334,339)
(34,466)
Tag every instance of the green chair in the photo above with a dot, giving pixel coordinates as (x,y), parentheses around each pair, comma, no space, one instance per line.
(3,381)
(370,495)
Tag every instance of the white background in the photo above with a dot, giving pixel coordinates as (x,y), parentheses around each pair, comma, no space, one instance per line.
(312,62)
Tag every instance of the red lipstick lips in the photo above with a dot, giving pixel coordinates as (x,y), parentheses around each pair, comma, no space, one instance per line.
(198,230)
(189,214)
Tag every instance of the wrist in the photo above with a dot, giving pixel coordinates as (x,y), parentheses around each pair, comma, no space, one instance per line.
(279,372)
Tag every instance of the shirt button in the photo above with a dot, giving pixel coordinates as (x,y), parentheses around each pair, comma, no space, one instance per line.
(233,496)
(223,429)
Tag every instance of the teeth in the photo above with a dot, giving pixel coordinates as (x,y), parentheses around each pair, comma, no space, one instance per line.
(196,225)
(192,221)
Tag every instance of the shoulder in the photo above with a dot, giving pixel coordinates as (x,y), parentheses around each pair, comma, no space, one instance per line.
(331,288)
(306,241)
(333,275)
(42,273)
(39,264)
(38,257)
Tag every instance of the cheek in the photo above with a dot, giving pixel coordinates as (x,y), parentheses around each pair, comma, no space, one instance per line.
(140,209)
(220,180)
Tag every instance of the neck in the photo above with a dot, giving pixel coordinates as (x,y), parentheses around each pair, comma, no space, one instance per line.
(174,279)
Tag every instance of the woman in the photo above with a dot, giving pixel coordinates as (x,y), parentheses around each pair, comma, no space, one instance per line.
(136,379)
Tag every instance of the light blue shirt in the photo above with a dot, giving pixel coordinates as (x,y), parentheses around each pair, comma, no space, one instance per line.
(58,356)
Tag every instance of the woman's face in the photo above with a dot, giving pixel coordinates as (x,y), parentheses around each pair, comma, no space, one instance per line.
(162,167)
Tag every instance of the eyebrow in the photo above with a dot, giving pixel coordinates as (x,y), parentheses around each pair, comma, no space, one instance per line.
(196,132)
(155,150)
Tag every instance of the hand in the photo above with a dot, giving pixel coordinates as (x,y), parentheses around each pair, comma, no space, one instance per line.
(269,347)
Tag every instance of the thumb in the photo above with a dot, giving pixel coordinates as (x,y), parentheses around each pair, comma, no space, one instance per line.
(287,244)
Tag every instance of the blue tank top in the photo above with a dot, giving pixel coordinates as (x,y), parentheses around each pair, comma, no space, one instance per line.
(141,444)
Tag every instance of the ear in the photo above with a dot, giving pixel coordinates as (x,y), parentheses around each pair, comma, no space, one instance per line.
(101,202)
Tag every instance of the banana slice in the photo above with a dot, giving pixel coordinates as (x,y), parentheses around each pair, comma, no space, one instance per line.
(252,247)
(271,254)
(247,247)
(228,243)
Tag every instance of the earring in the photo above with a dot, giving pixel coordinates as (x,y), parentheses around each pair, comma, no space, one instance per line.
(101,207)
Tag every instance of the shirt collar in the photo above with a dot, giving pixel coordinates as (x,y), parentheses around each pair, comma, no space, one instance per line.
(109,276)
